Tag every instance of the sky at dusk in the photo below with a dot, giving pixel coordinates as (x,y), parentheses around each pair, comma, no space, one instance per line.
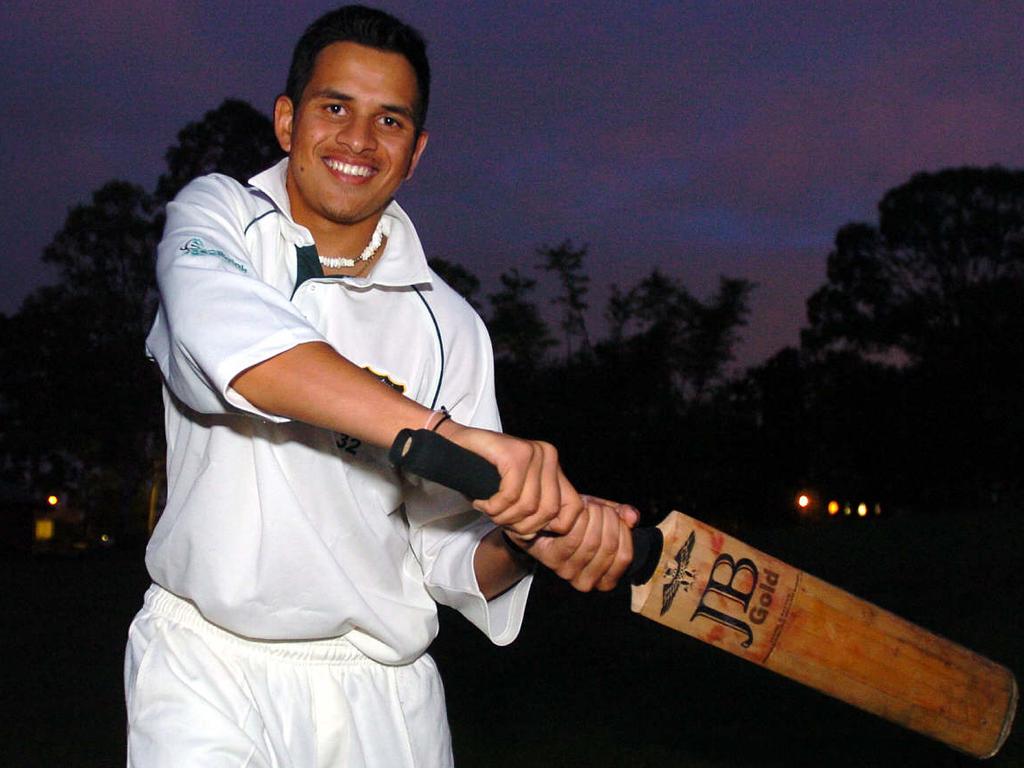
(701,138)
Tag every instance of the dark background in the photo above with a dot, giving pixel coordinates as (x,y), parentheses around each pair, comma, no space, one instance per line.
(820,286)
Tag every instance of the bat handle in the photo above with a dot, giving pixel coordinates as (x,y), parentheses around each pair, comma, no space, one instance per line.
(432,457)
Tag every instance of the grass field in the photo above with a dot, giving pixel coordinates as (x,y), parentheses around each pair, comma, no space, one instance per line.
(586,684)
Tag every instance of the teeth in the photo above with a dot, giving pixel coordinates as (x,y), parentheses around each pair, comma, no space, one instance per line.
(348,169)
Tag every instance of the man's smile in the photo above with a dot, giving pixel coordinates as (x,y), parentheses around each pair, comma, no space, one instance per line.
(350,169)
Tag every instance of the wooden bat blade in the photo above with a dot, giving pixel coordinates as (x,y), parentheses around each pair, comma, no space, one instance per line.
(727,594)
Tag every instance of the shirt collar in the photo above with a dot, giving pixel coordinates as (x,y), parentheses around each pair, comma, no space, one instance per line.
(403,262)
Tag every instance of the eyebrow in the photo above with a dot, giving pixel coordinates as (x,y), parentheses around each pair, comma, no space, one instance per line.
(330,93)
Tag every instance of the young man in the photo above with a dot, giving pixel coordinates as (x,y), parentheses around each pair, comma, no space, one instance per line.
(295,574)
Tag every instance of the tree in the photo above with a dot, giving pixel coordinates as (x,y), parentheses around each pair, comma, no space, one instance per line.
(234,139)
(714,333)
(947,246)
(81,402)
(642,399)
(937,289)
(567,263)
(518,333)
(688,340)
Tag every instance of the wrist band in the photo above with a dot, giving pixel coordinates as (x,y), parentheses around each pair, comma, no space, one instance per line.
(443,413)
(442,421)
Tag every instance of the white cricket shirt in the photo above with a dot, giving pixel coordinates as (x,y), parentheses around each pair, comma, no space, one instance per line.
(278,530)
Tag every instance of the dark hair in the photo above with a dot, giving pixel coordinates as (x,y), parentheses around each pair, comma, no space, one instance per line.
(365,26)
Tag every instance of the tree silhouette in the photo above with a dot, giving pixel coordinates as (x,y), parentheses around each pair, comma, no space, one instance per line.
(947,246)
(566,262)
(688,341)
(519,335)
(234,139)
(936,289)
(81,403)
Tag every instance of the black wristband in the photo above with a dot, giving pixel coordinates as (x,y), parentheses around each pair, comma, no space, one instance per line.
(445,416)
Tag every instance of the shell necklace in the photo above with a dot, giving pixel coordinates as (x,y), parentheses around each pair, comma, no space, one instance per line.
(382,230)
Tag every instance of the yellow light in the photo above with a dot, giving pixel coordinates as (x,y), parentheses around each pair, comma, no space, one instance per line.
(44,529)
(833,507)
(105,538)
(52,500)
(862,509)
(803,501)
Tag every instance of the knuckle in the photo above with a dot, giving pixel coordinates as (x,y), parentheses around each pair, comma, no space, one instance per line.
(568,572)
(583,584)
(622,561)
(559,526)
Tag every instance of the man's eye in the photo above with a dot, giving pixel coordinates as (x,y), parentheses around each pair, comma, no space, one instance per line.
(336,109)
(390,122)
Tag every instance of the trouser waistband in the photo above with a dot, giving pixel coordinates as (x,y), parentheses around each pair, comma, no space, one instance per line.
(160,602)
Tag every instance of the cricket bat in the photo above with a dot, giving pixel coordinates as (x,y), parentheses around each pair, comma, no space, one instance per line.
(713,587)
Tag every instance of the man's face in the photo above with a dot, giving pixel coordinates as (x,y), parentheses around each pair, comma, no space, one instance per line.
(351,139)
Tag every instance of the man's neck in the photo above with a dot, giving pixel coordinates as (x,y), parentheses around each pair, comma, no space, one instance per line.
(346,240)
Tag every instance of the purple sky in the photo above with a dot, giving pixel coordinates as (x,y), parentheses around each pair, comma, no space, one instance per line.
(703,138)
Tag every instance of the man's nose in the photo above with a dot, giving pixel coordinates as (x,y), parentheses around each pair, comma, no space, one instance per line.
(357,135)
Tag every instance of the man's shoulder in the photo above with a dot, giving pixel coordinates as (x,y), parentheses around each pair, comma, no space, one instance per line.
(221,190)
(443,294)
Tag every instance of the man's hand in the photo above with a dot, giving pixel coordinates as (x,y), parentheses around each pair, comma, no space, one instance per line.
(535,495)
(595,552)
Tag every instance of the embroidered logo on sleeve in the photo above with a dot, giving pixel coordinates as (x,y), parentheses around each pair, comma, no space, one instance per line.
(195,246)
(385,379)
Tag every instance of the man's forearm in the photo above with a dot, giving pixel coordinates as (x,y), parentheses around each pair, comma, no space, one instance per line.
(497,567)
(314,384)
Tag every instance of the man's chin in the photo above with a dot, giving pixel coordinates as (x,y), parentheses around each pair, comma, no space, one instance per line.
(349,218)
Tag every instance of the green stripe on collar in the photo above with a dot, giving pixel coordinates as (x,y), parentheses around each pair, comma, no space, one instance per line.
(307,265)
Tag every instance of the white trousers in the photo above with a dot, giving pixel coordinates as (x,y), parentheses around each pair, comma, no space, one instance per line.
(200,696)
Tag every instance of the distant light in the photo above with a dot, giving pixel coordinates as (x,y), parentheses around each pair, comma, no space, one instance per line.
(878,509)
(862,509)
(846,509)
(105,538)
(803,501)
(833,507)
(44,529)
(52,500)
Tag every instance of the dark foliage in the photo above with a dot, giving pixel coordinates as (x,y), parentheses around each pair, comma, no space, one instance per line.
(233,139)
(936,292)
(80,402)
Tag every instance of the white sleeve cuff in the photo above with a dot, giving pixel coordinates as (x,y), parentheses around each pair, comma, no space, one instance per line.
(232,366)
(456,586)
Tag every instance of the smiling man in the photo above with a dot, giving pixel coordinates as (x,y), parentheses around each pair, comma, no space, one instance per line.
(352,138)
(295,573)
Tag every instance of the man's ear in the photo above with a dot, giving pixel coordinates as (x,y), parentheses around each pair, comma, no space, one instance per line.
(417,152)
(284,116)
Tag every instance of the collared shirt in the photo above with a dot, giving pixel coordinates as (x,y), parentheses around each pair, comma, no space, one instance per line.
(279,530)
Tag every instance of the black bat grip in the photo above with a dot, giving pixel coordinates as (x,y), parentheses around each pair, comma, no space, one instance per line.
(432,457)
